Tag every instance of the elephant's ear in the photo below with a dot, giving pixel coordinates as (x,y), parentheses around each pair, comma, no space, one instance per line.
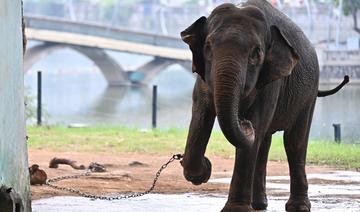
(280,59)
(194,36)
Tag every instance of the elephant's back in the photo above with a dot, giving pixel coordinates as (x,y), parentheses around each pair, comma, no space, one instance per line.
(290,29)
(299,89)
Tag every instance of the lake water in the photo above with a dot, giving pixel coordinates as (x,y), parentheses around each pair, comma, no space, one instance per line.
(74,91)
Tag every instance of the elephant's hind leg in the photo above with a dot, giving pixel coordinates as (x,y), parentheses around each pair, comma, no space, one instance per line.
(296,141)
(259,199)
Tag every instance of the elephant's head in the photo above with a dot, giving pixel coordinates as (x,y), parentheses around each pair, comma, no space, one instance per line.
(235,51)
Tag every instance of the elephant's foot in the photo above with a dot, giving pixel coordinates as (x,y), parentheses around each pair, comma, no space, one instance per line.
(298,204)
(259,203)
(236,207)
(201,176)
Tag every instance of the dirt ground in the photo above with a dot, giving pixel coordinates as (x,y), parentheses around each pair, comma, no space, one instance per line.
(123,177)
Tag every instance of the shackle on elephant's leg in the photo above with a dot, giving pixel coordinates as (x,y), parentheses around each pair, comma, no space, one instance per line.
(248,130)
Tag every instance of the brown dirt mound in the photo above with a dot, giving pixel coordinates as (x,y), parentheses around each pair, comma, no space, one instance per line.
(121,176)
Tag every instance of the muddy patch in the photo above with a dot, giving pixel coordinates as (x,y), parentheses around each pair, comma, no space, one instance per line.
(329,188)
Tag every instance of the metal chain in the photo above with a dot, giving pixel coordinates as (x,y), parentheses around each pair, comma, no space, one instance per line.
(50,182)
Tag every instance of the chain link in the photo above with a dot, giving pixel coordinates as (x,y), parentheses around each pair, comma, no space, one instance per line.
(50,183)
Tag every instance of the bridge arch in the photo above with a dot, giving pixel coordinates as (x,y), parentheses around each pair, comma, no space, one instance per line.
(151,69)
(112,71)
(92,40)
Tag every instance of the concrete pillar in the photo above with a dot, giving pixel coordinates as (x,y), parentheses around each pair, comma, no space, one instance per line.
(14,179)
(151,69)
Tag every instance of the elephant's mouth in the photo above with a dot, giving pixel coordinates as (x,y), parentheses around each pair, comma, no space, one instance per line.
(247,129)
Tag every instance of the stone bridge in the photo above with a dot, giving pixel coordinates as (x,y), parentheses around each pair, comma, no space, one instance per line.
(92,40)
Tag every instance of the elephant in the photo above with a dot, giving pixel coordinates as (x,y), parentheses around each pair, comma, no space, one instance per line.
(257,74)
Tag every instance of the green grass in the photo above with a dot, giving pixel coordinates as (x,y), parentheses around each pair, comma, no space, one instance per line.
(171,141)
(322,153)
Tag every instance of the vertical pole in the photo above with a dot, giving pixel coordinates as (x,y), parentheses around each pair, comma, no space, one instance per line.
(337,38)
(329,23)
(337,133)
(39,98)
(310,18)
(154,106)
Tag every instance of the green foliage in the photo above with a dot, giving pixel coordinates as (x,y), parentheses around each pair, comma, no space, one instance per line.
(30,108)
(349,6)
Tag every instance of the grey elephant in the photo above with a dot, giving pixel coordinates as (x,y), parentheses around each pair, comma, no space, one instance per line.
(258,74)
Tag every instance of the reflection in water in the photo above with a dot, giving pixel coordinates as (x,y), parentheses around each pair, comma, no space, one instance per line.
(108,101)
(81,95)
(340,108)
(84,97)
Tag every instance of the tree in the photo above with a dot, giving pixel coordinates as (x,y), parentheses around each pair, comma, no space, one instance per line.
(351,7)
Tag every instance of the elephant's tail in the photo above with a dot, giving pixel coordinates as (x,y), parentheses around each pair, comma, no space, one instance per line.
(333,91)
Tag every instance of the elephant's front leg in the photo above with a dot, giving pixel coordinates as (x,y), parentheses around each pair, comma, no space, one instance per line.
(197,168)
(241,193)
(259,199)
(241,187)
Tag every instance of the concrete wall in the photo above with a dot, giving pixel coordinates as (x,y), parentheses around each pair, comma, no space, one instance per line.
(13,147)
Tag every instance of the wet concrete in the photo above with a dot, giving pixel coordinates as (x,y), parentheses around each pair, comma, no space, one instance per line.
(335,191)
(339,183)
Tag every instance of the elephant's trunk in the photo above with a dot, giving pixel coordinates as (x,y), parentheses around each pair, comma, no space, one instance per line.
(229,83)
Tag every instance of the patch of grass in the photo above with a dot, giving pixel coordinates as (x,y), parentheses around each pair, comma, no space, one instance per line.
(104,138)
(343,155)
(171,141)
(322,153)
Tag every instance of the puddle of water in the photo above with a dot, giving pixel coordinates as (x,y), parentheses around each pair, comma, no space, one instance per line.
(338,189)
(151,202)
(338,197)
(346,176)
(175,203)
(335,176)
(317,190)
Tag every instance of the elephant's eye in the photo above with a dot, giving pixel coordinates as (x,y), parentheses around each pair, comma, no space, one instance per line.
(207,50)
(255,55)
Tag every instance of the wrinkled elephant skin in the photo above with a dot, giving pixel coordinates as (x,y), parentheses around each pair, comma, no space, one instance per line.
(257,74)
